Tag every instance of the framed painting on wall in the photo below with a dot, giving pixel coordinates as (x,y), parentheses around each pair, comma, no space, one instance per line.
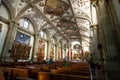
(22,38)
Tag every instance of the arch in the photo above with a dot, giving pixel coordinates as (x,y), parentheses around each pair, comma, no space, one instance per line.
(43,34)
(5,16)
(32,22)
(47,33)
(9,8)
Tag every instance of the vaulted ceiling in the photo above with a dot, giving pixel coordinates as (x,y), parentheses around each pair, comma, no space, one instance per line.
(64,19)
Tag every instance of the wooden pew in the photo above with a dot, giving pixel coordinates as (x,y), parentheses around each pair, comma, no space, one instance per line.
(21,74)
(50,76)
(68,71)
(1,77)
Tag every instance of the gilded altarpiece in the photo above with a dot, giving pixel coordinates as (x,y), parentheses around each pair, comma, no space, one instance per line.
(41,50)
(20,51)
(21,48)
(59,56)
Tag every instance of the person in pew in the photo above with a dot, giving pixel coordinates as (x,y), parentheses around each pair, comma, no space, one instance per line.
(50,61)
(44,62)
(93,67)
(65,63)
(6,75)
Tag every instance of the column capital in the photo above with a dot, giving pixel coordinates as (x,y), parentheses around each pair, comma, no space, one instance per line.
(93,26)
(95,3)
(11,23)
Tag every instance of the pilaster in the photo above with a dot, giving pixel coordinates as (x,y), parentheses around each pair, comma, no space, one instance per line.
(35,50)
(107,37)
(94,42)
(12,29)
(48,43)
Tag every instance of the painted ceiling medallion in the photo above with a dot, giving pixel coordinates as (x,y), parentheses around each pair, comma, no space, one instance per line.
(41,4)
(69,31)
(65,23)
(55,7)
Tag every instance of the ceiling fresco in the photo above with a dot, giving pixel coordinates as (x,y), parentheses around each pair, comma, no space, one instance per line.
(55,7)
(65,19)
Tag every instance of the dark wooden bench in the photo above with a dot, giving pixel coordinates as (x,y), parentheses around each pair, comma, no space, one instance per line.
(50,76)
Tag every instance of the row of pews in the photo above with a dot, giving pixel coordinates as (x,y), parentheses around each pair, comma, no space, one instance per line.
(54,71)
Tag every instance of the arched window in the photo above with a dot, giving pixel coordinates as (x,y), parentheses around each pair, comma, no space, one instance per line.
(52,40)
(43,34)
(26,23)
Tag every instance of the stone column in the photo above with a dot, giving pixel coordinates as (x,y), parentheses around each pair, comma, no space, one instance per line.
(35,49)
(56,52)
(94,43)
(9,41)
(108,39)
(48,50)
(116,23)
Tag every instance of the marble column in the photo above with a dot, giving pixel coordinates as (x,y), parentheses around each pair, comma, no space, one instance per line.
(35,49)
(115,19)
(12,29)
(108,39)
(56,52)
(94,43)
(48,50)
(106,32)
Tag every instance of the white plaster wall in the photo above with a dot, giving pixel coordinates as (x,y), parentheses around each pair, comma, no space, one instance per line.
(3,35)
(117,6)
(3,12)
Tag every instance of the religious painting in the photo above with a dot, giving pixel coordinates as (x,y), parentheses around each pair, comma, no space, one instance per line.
(0,27)
(59,56)
(20,51)
(55,7)
(41,48)
(87,55)
(52,53)
(22,38)
(76,56)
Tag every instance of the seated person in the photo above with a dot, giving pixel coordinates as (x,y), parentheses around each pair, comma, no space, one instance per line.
(65,63)
(44,62)
(50,61)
